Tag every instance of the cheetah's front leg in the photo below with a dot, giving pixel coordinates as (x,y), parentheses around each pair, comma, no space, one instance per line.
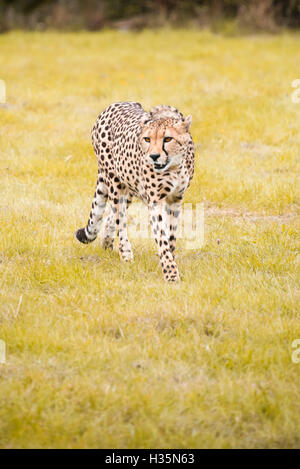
(160,228)
(173,212)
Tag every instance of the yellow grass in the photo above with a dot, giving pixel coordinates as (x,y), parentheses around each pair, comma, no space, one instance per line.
(103,354)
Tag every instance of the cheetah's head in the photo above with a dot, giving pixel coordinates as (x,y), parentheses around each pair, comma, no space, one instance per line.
(164,141)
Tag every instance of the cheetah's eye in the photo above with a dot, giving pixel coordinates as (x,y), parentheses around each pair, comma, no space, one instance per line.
(167,139)
(147,139)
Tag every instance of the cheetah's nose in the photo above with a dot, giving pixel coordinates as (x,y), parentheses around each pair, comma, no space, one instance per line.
(155,156)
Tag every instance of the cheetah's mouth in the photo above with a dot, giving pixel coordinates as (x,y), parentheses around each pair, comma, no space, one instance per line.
(158,166)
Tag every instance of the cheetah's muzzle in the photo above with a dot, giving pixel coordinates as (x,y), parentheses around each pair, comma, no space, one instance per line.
(161,166)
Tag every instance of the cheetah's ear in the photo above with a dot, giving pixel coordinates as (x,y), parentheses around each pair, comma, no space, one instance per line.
(187,122)
(145,119)
(184,125)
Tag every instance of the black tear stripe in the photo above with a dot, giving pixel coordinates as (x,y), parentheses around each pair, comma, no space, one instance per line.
(165,149)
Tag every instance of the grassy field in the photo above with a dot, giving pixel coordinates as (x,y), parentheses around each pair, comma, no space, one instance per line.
(105,354)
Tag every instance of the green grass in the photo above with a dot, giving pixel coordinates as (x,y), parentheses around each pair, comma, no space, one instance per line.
(105,354)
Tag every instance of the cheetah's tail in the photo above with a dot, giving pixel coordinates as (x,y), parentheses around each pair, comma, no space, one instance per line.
(82,237)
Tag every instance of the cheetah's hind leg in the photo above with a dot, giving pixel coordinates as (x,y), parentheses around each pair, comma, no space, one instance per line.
(109,229)
(109,226)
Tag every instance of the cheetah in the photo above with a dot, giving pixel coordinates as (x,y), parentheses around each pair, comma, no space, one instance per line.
(145,155)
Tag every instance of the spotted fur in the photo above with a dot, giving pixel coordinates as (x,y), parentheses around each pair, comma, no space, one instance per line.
(146,155)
